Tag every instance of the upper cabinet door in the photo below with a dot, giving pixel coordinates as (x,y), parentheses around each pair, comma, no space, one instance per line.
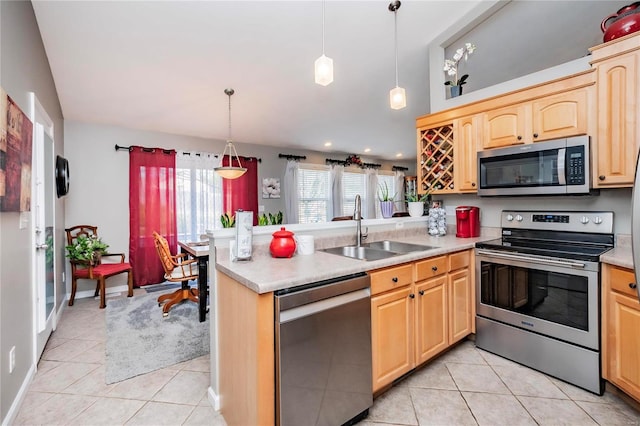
(561,115)
(504,126)
(468,131)
(618,124)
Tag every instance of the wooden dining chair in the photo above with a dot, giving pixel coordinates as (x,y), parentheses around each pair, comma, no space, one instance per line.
(176,269)
(97,270)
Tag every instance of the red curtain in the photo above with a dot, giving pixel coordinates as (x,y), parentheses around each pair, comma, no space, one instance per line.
(152,207)
(241,193)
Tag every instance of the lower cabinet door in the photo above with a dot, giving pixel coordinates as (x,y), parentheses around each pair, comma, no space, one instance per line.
(431,318)
(460,305)
(623,344)
(392,335)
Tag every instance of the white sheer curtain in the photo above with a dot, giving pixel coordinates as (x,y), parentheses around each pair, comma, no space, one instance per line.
(291,198)
(399,188)
(371,196)
(198,194)
(335,180)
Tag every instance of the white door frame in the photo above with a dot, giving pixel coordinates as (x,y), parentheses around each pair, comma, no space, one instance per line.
(41,326)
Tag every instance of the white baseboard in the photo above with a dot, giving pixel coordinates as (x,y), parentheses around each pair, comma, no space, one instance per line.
(89,293)
(17,402)
(214,399)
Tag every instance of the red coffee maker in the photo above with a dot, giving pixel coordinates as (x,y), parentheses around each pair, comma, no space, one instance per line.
(467,221)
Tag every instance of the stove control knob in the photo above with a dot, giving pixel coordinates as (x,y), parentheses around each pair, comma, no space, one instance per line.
(519,218)
(509,217)
(584,220)
(597,220)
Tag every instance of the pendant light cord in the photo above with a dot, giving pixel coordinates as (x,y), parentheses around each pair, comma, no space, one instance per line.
(395,34)
(229,138)
(323,27)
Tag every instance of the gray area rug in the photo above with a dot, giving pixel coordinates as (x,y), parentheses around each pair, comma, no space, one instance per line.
(140,340)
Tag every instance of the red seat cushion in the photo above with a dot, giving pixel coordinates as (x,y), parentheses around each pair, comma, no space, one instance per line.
(104,269)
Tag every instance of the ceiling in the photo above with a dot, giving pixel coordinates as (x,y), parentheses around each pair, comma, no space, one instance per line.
(163,66)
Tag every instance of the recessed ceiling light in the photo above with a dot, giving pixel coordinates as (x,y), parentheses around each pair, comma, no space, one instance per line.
(399,155)
(328,143)
(367,150)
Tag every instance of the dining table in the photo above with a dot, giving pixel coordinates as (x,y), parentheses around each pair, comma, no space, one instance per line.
(200,251)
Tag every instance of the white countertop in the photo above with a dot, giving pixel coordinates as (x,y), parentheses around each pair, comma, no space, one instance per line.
(264,273)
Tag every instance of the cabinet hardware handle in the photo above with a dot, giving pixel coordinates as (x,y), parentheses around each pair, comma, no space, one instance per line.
(394,279)
(633,285)
(421,292)
(535,135)
(601,177)
(519,138)
(473,184)
(434,268)
(411,296)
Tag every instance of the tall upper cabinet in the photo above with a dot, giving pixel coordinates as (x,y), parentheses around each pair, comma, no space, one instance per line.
(617,65)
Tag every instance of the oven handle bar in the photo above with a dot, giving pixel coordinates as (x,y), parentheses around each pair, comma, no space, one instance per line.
(543,261)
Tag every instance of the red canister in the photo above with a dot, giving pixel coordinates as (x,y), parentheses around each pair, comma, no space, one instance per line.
(283,244)
(624,21)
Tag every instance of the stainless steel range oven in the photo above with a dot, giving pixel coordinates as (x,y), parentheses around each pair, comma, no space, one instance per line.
(538,291)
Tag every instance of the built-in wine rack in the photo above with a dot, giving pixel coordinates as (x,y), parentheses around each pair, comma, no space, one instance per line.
(436,160)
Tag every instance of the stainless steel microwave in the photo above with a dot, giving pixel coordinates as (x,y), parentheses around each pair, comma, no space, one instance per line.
(559,166)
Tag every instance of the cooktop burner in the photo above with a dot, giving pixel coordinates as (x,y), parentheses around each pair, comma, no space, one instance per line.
(543,248)
(568,235)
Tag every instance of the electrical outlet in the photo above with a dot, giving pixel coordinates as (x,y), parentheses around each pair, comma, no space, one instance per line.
(64,277)
(12,359)
(399,225)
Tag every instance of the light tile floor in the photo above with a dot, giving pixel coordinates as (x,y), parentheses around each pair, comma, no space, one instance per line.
(466,386)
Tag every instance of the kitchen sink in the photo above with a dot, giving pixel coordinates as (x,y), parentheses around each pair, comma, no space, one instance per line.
(397,246)
(362,252)
(376,250)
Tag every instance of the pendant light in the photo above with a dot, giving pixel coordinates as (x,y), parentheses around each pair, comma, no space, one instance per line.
(323,68)
(397,95)
(230,172)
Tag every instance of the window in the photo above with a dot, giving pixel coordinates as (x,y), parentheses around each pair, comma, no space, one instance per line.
(198,195)
(313,193)
(353,183)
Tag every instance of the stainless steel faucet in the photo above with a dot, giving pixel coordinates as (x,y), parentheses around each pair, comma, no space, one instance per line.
(357,216)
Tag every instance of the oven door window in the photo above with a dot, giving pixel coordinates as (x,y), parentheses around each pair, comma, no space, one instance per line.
(529,169)
(552,296)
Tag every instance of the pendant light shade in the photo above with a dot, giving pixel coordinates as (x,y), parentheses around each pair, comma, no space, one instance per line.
(323,67)
(397,95)
(397,98)
(230,171)
(324,70)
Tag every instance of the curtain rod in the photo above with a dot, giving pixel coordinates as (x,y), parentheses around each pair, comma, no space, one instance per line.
(347,163)
(130,148)
(292,157)
(399,169)
(167,151)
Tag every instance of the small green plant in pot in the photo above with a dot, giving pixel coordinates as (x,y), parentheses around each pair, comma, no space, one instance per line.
(386,200)
(228,220)
(415,203)
(87,249)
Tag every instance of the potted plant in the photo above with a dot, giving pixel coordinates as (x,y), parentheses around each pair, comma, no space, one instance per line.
(386,200)
(415,203)
(451,68)
(87,249)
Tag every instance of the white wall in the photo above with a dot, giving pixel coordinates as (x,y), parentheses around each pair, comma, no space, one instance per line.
(99,177)
(616,200)
(24,69)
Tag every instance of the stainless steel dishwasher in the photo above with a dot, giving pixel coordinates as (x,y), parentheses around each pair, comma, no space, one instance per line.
(323,352)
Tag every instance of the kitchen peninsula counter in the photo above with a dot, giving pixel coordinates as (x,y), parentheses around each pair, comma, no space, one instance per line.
(264,274)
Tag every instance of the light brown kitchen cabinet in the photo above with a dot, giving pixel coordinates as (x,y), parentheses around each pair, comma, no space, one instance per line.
(621,322)
(413,322)
(548,117)
(468,132)
(392,325)
(618,72)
